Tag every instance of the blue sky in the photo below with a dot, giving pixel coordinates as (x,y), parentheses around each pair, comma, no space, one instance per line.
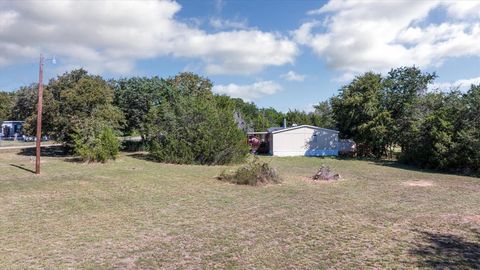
(288,54)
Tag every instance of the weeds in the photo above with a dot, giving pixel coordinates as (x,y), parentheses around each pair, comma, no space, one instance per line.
(254,173)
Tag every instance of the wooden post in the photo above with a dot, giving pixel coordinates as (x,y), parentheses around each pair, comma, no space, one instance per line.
(39,116)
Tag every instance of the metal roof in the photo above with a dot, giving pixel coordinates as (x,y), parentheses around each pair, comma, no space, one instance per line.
(256,132)
(11,121)
(272,129)
(302,126)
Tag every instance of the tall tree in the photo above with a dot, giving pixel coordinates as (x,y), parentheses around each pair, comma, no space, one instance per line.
(403,87)
(323,115)
(360,116)
(135,97)
(189,126)
(188,83)
(296,117)
(432,133)
(6,105)
(25,109)
(81,96)
(466,145)
(274,117)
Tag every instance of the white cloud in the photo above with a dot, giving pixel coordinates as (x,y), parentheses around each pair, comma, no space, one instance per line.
(293,76)
(221,24)
(464,9)
(346,77)
(111,36)
(359,36)
(303,34)
(249,91)
(6,19)
(462,85)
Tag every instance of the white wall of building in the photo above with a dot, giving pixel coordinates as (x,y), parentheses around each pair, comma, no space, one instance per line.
(304,141)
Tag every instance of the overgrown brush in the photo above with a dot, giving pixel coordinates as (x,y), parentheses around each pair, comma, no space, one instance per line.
(254,173)
(96,144)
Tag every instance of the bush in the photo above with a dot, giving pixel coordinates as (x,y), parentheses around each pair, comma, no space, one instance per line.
(254,173)
(97,145)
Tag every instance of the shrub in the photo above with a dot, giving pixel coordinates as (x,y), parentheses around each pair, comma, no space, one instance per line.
(254,173)
(97,145)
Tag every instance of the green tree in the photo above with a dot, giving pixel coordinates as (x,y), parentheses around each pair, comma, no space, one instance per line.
(323,115)
(248,116)
(79,97)
(296,117)
(403,88)
(25,109)
(242,111)
(188,83)
(466,145)
(430,134)
(95,141)
(77,110)
(135,97)
(360,116)
(188,126)
(6,105)
(274,117)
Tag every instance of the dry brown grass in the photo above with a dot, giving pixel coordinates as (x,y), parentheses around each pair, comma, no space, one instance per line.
(418,183)
(137,214)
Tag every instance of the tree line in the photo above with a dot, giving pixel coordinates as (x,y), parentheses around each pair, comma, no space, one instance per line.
(181,120)
(432,129)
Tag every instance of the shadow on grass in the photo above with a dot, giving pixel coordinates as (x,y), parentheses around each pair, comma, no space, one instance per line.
(446,251)
(142,156)
(22,168)
(397,165)
(72,159)
(53,151)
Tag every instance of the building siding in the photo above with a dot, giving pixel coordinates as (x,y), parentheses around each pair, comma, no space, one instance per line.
(305,141)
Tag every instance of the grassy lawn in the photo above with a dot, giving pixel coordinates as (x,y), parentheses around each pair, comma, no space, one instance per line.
(7,143)
(134,213)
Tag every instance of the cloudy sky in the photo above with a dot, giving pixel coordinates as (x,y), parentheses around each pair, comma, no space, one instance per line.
(280,53)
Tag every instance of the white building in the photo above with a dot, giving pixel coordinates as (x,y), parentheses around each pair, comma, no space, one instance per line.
(303,140)
(11,129)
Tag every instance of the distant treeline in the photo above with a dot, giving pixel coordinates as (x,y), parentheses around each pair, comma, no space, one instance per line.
(183,121)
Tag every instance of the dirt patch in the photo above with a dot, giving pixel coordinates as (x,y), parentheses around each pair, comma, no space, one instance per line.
(457,218)
(418,183)
(128,263)
(474,219)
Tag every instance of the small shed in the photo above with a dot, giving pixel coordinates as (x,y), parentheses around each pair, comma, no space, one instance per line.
(304,140)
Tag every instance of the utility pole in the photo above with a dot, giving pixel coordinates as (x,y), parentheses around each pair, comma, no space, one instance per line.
(39,115)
